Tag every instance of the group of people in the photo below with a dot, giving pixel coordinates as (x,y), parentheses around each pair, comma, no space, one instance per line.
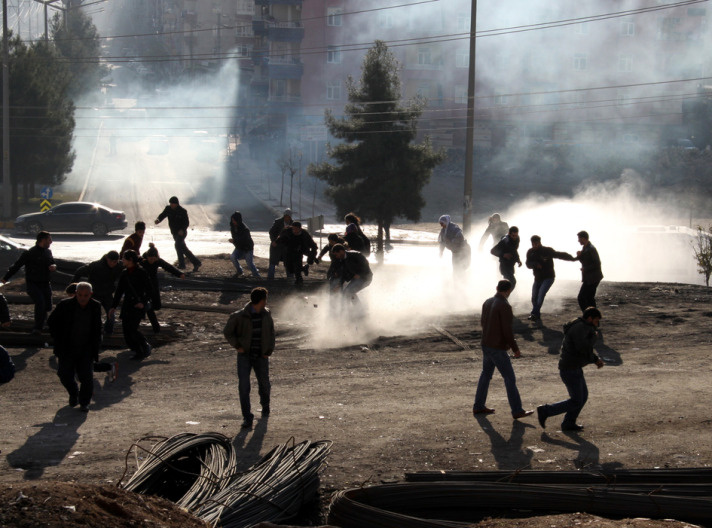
(540,259)
(577,351)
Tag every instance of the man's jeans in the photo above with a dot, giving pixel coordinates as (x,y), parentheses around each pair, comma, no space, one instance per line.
(539,291)
(247,255)
(491,358)
(578,394)
(41,295)
(260,365)
(353,287)
(507,271)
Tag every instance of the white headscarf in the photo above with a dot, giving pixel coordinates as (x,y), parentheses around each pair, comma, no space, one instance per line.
(446,219)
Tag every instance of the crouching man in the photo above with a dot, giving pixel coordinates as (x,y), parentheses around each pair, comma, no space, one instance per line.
(251,332)
(356,272)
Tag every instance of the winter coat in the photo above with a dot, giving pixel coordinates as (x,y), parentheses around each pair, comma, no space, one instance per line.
(135,287)
(541,261)
(60,323)
(133,241)
(496,323)
(590,265)
(355,264)
(301,244)
(277,228)
(177,219)
(37,261)
(241,237)
(504,246)
(238,330)
(101,277)
(577,347)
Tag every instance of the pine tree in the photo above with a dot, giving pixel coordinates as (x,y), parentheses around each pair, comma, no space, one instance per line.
(378,170)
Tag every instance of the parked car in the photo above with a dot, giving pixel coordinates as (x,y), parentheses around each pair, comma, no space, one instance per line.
(74,217)
(9,252)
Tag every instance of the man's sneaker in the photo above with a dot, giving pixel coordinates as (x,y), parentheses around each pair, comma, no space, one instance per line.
(265,410)
(196,266)
(84,408)
(541,415)
(114,372)
(73,400)
(257,275)
(149,349)
(247,423)
(181,265)
(237,275)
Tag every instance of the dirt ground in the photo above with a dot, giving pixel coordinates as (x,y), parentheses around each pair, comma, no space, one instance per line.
(393,405)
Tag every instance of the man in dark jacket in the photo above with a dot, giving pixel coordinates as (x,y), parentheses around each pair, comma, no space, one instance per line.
(497,338)
(540,259)
(102,274)
(75,325)
(507,252)
(276,251)
(251,332)
(244,245)
(297,243)
(39,263)
(576,352)
(591,274)
(178,223)
(355,271)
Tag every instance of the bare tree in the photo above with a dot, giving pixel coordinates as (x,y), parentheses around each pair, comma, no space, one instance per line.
(703,252)
(289,163)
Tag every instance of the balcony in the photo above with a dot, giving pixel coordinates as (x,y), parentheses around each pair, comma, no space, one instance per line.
(259,56)
(281,101)
(278,2)
(284,68)
(276,30)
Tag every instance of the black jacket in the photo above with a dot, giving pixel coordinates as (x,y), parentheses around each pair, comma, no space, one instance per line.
(241,237)
(276,229)
(577,347)
(135,287)
(37,261)
(355,264)
(101,277)
(301,244)
(590,265)
(507,245)
(60,323)
(177,218)
(541,262)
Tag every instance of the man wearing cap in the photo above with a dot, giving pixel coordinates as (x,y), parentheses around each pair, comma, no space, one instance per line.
(178,223)
(276,252)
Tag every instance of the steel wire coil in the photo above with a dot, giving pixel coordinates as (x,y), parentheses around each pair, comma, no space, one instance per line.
(459,504)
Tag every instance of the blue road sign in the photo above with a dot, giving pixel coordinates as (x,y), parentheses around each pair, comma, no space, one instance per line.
(46,193)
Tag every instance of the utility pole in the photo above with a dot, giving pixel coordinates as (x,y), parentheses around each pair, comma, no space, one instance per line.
(6,186)
(470,132)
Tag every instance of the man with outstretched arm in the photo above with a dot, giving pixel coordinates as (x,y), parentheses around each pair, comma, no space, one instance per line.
(178,223)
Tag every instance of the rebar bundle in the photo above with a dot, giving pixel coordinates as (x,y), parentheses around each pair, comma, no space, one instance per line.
(198,472)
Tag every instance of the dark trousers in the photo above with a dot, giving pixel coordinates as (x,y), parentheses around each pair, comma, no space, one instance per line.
(245,364)
(578,395)
(507,272)
(587,295)
(155,305)
(41,295)
(293,264)
(106,300)
(183,252)
(70,369)
(130,319)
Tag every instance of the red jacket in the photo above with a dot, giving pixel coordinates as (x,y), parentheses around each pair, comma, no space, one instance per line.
(497,324)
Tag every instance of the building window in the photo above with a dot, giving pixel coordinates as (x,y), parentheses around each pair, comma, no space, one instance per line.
(423,89)
(462,59)
(424,55)
(627,29)
(463,22)
(244,31)
(625,63)
(333,16)
(333,55)
(581,28)
(245,7)
(460,94)
(244,50)
(333,90)
(668,29)
(623,98)
(580,61)
(500,98)
(385,20)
